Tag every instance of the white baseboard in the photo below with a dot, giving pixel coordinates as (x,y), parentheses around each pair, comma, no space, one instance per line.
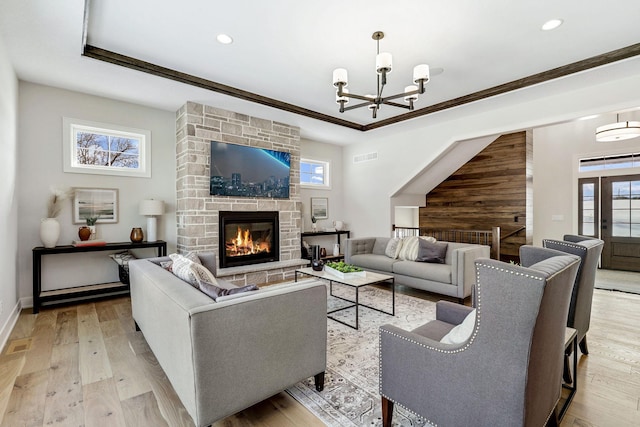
(5,332)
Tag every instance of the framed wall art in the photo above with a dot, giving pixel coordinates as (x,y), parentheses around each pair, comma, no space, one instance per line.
(101,203)
(320,207)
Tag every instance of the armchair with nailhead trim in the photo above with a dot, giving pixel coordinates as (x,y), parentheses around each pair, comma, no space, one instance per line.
(508,372)
(579,317)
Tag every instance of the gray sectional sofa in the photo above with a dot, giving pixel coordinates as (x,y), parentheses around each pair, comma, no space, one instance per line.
(454,277)
(222,357)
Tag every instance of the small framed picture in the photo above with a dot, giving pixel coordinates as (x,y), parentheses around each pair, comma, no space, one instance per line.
(320,207)
(100,203)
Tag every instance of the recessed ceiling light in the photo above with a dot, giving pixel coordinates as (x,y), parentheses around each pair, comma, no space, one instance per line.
(224,39)
(552,24)
(593,116)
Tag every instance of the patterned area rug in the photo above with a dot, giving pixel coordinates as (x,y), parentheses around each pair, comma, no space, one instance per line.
(350,396)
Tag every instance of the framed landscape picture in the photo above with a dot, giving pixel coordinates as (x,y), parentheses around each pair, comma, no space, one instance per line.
(101,203)
(320,207)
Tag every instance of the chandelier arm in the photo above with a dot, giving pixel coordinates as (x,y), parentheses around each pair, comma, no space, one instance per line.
(353,107)
(360,97)
(400,95)
(395,104)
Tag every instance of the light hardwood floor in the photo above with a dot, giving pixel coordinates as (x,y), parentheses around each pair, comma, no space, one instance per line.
(86,365)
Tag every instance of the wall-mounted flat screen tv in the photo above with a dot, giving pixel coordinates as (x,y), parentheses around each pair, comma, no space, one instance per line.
(243,171)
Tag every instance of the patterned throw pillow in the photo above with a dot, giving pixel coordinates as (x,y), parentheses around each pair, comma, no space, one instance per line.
(193,257)
(188,270)
(201,273)
(393,248)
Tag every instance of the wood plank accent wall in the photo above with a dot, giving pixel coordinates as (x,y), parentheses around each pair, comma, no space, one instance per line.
(492,189)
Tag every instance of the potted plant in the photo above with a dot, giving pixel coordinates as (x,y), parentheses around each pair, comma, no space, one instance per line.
(91,223)
(314,227)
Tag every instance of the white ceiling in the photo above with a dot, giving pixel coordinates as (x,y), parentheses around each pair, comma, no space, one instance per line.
(287,49)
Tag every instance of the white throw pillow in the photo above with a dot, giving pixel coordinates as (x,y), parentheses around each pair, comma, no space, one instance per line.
(463,331)
(393,248)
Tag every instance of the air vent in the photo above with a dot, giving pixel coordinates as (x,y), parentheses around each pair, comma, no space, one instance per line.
(360,158)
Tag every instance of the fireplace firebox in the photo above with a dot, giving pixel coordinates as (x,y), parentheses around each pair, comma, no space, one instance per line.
(248,238)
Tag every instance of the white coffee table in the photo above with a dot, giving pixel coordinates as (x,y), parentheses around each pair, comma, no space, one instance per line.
(357,282)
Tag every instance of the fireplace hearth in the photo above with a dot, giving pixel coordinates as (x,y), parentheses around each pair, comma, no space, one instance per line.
(248,238)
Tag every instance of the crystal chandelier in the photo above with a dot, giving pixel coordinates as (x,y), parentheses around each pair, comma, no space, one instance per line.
(383,67)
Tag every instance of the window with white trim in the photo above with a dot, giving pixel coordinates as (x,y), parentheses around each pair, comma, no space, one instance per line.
(314,174)
(99,148)
(615,161)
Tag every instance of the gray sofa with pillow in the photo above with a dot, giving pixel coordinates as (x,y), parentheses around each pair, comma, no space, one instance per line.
(222,357)
(452,275)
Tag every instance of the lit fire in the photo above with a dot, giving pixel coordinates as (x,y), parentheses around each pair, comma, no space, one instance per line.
(243,244)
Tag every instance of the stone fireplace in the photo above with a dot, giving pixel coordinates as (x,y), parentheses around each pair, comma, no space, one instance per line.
(198,213)
(248,238)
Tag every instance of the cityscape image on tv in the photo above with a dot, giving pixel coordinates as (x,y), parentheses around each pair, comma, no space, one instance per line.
(242,171)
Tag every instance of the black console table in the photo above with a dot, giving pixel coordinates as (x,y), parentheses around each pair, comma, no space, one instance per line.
(40,297)
(328,233)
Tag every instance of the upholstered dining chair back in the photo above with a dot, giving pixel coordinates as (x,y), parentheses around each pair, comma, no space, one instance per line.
(589,250)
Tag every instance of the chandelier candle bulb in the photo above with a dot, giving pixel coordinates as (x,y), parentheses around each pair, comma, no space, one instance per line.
(383,62)
(411,88)
(340,76)
(420,72)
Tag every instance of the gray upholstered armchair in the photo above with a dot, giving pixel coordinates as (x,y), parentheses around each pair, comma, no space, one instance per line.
(579,317)
(508,372)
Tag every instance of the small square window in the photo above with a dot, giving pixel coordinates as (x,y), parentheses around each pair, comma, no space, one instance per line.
(104,149)
(314,174)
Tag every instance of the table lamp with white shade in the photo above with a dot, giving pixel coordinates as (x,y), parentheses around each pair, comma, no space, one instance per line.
(151,208)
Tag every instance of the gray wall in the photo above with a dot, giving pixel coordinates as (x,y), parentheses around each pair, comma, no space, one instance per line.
(41,109)
(8,199)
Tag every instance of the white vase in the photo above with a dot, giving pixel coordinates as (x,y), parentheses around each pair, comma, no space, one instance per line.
(336,249)
(49,232)
(93,232)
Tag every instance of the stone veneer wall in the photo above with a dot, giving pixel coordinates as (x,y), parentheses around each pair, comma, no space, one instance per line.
(197,211)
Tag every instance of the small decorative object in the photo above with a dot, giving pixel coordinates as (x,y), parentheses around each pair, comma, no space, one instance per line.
(50,227)
(336,249)
(151,208)
(314,227)
(323,252)
(338,225)
(136,235)
(317,265)
(84,233)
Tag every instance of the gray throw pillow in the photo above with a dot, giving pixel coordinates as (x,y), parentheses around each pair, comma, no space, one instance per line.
(433,252)
(216,292)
